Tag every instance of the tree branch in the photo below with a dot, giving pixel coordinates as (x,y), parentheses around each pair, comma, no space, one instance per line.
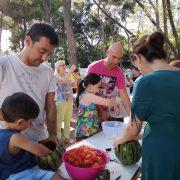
(165,26)
(151,3)
(157,26)
(173,25)
(147,14)
(109,16)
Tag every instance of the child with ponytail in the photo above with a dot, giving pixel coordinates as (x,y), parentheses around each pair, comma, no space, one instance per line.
(88,122)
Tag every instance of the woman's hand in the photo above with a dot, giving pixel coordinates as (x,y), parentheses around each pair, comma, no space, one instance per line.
(139,137)
(118,140)
(131,132)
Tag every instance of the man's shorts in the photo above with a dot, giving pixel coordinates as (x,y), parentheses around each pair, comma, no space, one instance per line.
(35,173)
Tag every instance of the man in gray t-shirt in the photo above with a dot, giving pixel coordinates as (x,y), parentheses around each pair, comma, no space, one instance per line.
(26,72)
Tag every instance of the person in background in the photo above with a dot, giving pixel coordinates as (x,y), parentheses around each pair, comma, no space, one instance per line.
(136,73)
(26,72)
(112,82)
(175,63)
(155,101)
(128,73)
(135,84)
(64,99)
(75,78)
(16,153)
(88,121)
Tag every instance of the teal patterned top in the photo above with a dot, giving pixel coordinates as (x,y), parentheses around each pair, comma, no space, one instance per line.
(87,122)
(63,90)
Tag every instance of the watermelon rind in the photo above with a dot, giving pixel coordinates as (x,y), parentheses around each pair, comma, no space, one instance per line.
(53,161)
(128,153)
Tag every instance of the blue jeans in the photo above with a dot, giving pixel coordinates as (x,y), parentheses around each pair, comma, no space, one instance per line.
(35,173)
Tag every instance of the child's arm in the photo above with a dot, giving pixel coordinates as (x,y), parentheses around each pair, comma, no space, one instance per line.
(21,142)
(92,98)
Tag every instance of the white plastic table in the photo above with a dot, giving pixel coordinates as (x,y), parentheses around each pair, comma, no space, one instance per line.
(99,141)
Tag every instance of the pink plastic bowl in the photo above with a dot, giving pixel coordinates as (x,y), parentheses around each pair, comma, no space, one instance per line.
(79,173)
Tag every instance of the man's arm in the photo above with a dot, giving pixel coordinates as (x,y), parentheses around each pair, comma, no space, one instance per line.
(125,100)
(51,115)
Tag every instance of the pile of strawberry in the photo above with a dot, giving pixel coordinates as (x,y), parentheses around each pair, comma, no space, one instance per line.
(84,156)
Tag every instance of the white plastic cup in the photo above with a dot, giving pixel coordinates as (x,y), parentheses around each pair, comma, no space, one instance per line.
(113,129)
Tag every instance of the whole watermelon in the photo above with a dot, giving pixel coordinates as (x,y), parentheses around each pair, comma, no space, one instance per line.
(53,161)
(128,153)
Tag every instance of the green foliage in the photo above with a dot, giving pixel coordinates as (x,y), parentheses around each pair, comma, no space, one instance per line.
(88,22)
(18,10)
(127,9)
(23,13)
(17,38)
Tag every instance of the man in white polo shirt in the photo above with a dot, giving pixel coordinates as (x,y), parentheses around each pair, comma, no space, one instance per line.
(26,72)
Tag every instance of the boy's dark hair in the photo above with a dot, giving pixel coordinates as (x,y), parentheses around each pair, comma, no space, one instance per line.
(19,106)
(91,78)
(38,30)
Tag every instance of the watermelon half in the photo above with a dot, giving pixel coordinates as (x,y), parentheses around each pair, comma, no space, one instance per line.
(128,153)
(53,161)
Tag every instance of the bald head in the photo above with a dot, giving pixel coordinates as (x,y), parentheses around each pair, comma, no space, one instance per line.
(116,47)
(114,55)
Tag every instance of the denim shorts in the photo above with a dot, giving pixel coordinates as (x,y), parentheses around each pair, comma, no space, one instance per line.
(35,173)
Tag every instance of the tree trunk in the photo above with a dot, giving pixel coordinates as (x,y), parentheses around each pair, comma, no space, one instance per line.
(112,31)
(102,39)
(173,27)
(156,9)
(102,33)
(47,13)
(129,47)
(157,13)
(72,50)
(1,28)
(24,29)
(165,27)
(47,10)
(139,24)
